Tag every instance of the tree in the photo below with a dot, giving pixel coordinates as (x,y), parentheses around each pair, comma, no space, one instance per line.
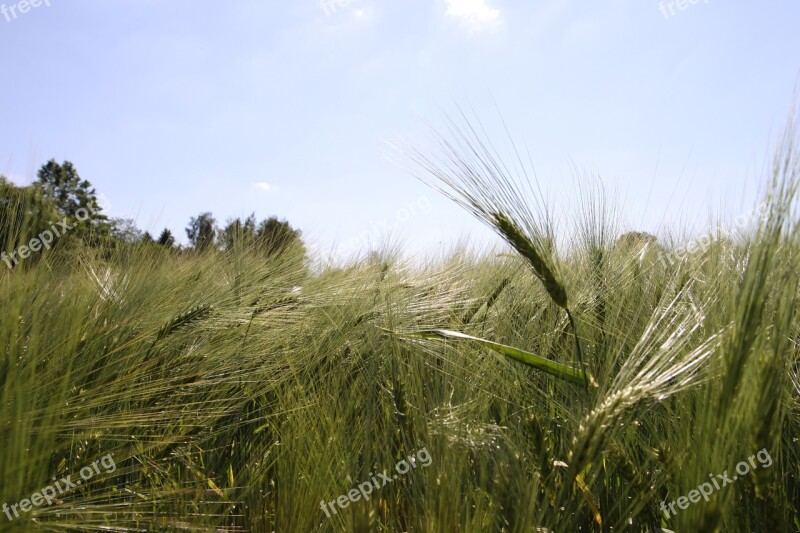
(70,193)
(637,238)
(271,236)
(75,200)
(166,239)
(202,231)
(125,230)
(275,236)
(238,233)
(25,213)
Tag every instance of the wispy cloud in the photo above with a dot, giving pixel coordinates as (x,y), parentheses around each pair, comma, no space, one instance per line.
(264,186)
(473,12)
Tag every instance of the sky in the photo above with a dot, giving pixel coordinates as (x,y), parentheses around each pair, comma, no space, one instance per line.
(285,108)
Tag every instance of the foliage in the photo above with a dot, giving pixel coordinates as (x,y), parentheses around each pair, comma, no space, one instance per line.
(125,230)
(166,239)
(72,194)
(202,231)
(25,212)
(270,236)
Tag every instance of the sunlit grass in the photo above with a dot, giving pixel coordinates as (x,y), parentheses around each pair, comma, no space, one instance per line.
(238,393)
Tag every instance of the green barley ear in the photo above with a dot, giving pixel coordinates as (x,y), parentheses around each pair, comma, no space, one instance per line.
(544,271)
(468,170)
(541,267)
(183,320)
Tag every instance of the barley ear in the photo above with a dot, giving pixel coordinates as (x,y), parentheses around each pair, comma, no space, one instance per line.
(522,244)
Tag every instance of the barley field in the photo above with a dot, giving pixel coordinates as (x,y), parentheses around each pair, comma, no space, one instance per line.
(577,380)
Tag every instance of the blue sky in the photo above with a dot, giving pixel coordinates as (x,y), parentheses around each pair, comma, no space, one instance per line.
(282,108)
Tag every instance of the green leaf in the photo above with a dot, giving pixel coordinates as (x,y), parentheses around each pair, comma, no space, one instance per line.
(559,370)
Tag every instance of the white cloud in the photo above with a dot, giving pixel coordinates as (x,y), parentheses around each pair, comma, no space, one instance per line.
(474,12)
(262,185)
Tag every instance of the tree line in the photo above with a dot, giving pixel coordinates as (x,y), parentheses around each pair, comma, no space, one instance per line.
(60,195)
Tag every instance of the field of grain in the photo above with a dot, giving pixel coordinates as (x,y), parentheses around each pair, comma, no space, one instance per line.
(581,382)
